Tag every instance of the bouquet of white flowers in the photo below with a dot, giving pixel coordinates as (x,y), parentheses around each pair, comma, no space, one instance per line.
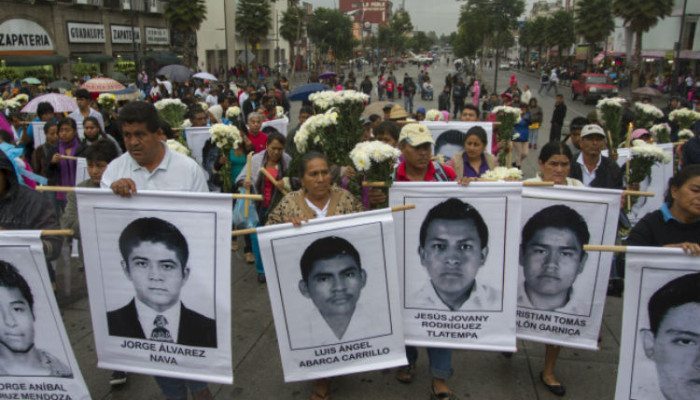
(107,101)
(178,147)
(503,174)
(685,118)
(226,138)
(610,114)
(662,133)
(375,162)
(313,132)
(12,104)
(328,99)
(172,111)
(507,117)
(434,115)
(644,156)
(646,115)
(685,134)
(21,98)
(279,112)
(203,105)
(232,113)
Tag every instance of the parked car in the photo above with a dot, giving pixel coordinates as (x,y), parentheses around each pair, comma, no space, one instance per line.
(592,87)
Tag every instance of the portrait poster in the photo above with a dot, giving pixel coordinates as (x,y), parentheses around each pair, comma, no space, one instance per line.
(660,326)
(449,136)
(32,325)
(333,286)
(196,138)
(281,124)
(457,255)
(159,281)
(561,287)
(39,135)
(81,170)
(656,182)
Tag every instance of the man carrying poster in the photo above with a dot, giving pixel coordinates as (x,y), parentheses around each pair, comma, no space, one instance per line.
(552,257)
(155,257)
(149,164)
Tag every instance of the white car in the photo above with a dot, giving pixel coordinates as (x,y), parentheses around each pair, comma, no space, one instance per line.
(504,65)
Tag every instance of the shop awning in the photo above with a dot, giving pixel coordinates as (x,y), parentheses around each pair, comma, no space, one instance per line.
(163,57)
(93,58)
(32,60)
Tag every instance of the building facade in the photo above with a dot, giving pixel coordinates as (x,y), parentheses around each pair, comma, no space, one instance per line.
(367,15)
(62,33)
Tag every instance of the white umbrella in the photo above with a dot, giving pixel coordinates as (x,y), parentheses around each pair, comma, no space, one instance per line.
(205,76)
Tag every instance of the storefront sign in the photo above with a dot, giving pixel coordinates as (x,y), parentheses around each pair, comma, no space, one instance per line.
(86,33)
(123,34)
(24,35)
(157,36)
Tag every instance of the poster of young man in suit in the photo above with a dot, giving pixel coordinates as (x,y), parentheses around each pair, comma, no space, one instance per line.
(159,282)
(334,291)
(449,136)
(36,358)
(562,287)
(660,326)
(457,272)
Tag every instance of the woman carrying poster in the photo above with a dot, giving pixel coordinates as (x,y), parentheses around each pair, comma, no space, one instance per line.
(473,161)
(554,161)
(317,199)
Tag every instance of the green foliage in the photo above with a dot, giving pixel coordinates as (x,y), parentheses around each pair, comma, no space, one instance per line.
(331,29)
(485,22)
(594,20)
(292,24)
(420,42)
(82,69)
(561,29)
(185,15)
(253,20)
(642,15)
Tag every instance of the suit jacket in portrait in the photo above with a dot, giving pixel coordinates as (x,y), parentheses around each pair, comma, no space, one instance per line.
(194,330)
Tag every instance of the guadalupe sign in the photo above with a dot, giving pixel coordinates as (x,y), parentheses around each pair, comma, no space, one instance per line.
(660,326)
(458,273)
(334,292)
(36,361)
(561,287)
(159,281)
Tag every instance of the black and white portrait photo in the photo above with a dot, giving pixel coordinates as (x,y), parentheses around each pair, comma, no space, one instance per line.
(661,326)
(35,353)
(159,282)
(334,292)
(449,136)
(155,257)
(551,258)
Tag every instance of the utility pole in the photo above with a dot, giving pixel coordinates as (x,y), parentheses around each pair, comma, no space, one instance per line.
(677,53)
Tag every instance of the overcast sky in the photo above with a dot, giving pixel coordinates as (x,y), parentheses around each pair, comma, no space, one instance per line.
(440,16)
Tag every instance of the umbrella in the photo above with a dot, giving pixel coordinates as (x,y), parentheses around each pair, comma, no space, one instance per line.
(175,72)
(375,108)
(205,76)
(119,76)
(99,85)
(31,81)
(60,84)
(128,94)
(327,74)
(60,103)
(647,91)
(301,93)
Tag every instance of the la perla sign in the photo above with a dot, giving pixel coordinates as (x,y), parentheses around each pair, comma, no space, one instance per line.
(24,35)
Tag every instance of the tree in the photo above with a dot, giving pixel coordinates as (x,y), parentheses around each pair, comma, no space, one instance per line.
(331,29)
(420,42)
(640,16)
(253,21)
(185,18)
(291,27)
(594,22)
(560,28)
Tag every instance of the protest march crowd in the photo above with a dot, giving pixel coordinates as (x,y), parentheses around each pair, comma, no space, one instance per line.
(342,157)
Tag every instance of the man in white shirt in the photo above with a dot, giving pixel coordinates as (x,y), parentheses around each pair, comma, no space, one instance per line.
(149,164)
(591,167)
(82,97)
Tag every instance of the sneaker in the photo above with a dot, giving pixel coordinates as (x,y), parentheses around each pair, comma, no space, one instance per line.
(249,258)
(118,378)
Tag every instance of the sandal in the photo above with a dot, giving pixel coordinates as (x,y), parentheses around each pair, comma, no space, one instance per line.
(557,390)
(406,374)
(443,396)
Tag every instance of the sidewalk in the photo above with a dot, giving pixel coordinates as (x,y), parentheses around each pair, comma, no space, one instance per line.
(478,375)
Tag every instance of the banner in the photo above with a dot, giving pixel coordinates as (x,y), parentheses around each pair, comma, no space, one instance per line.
(562,288)
(39,135)
(196,138)
(159,282)
(660,326)
(656,182)
(36,361)
(281,124)
(81,170)
(458,272)
(334,293)
(449,136)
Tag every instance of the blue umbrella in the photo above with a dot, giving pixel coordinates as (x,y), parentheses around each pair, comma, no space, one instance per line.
(301,93)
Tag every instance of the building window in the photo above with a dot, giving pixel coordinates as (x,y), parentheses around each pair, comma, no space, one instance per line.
(689,35)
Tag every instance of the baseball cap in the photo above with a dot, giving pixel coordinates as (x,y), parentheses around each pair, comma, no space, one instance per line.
(592,129)
(415,135)
(420,110)
(638,133)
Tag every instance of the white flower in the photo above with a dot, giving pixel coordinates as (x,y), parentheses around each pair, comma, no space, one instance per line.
(327,99)
(503,173)
(186,123)
(649,109)
(233,112)
(21,98)
(367,153)
(161,104)
(611,102)
(434,115)
(279,112)
(641,148)
(685,134)
(223,136)
(516,136)
(684,113)
(514,111)
(658,128)
(11,103)
(177,147)
(314,126)
(204,106)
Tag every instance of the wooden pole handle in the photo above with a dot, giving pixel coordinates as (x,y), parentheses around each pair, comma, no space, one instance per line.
(272,180)
(597,247)
(57,232)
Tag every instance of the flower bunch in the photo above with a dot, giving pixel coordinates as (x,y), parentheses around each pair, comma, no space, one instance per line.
(178,147)
(311,133)
(226,138)
(187,123)
(610,114)
(646,115)
(507,117)
(21,98)
(643,157)
(434,115)
(279,112)
(171,111)
(203,105)
(503,174)
(684,117)
(233,112)
(329,99)
(685,134)
(12,104)
(662,133)
(367,155)
(107,101)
